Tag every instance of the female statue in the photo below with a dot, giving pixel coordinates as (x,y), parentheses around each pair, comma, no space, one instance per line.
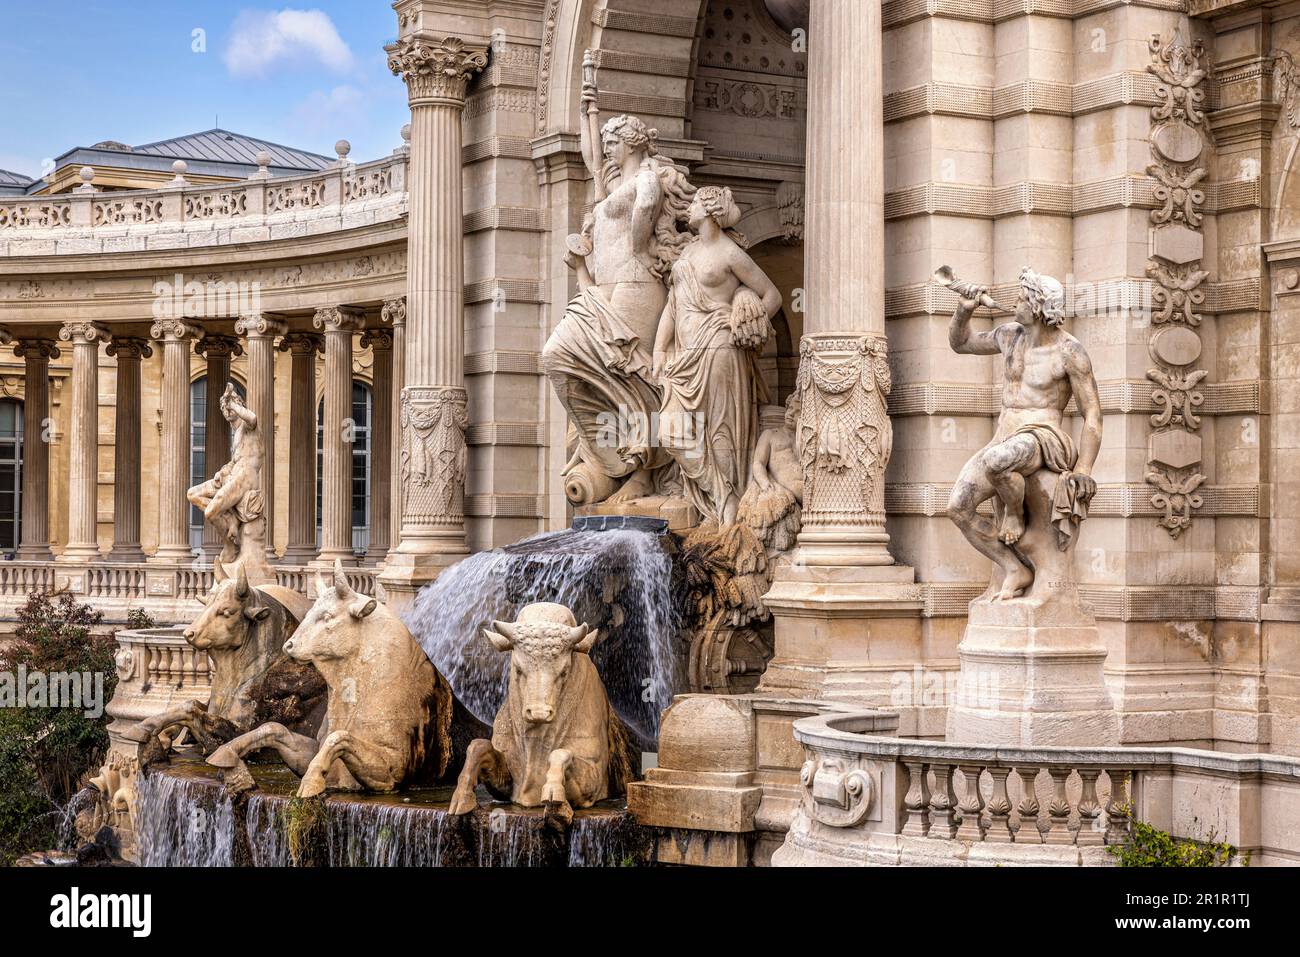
(598,358)
(714,326)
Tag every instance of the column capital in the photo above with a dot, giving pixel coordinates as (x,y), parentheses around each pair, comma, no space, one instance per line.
(394,312)
(437,72)
(256,325)
(46,349)
(6,337)
(381,340)
(339,319)
(78,331)
(174,330)
(302,343)
(128,347)
(219,347)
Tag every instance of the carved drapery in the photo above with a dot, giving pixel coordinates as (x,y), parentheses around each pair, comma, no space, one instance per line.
(434,455)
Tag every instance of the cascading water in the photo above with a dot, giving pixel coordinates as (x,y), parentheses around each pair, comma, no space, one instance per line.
(181,823)
(619,581)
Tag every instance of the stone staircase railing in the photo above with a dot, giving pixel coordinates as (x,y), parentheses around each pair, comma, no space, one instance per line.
(872,799)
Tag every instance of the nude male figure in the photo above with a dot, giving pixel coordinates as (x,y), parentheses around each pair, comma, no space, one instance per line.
(1045,367)
(222,497)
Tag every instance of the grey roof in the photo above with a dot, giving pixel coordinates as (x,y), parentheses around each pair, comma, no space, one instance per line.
(13,183)
(223,146)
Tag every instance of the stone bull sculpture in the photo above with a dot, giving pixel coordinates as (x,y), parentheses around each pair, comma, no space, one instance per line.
(243,630)
(391,718)
(556,740)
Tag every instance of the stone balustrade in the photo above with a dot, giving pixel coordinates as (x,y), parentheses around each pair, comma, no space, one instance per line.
(872,799)
(197,215)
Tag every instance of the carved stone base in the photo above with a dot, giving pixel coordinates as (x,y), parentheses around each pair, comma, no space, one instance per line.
(1030,677)
(843,633)
(677,512)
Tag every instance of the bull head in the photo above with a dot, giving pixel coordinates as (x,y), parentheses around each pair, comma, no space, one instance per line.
(232,609)
(541,645)
(331,628)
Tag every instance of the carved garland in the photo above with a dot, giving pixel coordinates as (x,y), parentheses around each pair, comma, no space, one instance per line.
(1178,138)
(434,455)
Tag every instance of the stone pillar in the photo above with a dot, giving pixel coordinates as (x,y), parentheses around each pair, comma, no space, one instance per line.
(433,410)
(380,342)
(126,449)
(37,425)
(218,350)
(174,449)
(338,323)
(260,333)
(83,442)
(847,616)
(395,313)
(302,348)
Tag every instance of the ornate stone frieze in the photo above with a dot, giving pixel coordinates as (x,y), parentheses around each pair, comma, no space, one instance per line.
(434,455)
(1179,133)
(436,72)
(844,429)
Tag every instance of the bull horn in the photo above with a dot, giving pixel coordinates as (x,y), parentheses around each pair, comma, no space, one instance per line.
(320,584)
(582,638)
(507,629)
(241,582)
(341,585)
(219,573)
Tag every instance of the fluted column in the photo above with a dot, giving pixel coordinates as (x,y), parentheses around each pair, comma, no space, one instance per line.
(844,326)
(83,440)
(174,448)
(37,427)
(126,449)
(218,350)
(260,332)
(380,343)
(394,313)
(303,348)
(433,415)
(338,434)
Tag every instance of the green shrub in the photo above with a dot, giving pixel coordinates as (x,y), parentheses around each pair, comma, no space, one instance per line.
(1149,846)
(46,754)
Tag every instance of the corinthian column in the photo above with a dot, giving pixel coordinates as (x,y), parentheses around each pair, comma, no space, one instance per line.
(302,348)
(36,355)
(847,617)
(126,449)
(83,443)
(174,448)
(380,342)
(394,313)
(218,350)
(260,332)
(433,406)
(338,323)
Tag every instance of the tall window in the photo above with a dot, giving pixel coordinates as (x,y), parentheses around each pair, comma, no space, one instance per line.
(361,408)
(11,472)
(198,448)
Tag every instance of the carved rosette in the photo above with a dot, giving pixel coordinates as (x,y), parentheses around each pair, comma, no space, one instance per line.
(1179,133)
(434,455)
(844,434)
(436,72)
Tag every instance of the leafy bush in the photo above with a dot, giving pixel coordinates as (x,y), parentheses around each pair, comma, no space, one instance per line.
(46,754)
(1149,846)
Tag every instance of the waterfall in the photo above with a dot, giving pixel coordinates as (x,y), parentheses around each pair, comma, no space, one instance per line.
(182,823)
(619,581)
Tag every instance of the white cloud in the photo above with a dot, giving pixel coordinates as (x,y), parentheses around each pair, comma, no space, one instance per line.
(334,113)
(261,40)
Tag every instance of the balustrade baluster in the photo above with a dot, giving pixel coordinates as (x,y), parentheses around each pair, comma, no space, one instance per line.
(1090,824)
(972,803)
(943,801)
(1028,832)
(917,800)
(1059,809)
(999,808)
(1117,808)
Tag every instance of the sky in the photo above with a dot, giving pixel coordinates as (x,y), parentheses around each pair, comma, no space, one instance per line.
(138,71)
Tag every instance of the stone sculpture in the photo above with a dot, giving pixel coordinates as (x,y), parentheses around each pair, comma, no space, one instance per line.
(717,319)
(556,740)
(599,357)
(1031,658)
(243,630)
(391,719)
(1045,367)
(232,500)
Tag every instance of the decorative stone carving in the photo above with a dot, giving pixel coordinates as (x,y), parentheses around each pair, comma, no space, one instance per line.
(435,455)
(834,795)
(1178,499)
(1177,397)
(233,500)
(556,740)
(789,202)
(435,71)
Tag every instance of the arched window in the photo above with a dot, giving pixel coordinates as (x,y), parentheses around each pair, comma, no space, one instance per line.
(11,473)
(361,410)
(198,448)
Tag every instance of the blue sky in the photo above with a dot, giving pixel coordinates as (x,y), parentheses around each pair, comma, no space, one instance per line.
(304,75)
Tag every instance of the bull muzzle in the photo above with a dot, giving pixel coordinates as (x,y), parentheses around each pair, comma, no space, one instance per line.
(539,714)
